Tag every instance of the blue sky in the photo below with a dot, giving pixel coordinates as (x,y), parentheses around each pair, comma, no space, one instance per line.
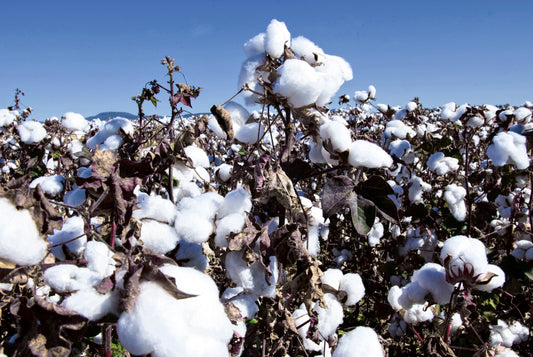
(93,56)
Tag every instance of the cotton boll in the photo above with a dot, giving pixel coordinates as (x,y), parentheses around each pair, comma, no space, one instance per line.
(416,189)
(51,185)
(522,115)
(432,277)
(236,201)
(360,342)
(223,172)
(255,45)
(159,237)
(276,38)
(191,255)
(91,304)
(31,132)
(157,208)
(245,302)
(352,284)
(367,154)
(315,152)
(99,258)
(298,82)
(68,277)
(333,72)
(399,148)
(71,232)
(20,241)
(395,292)
(376,233)
(332,277)
(249,133)
(7,116)
(198,156)
(251,277)
(111,130)
(192,227)
(338,134)
(454,196)
(442,164)
(75,122)
(205,205)
(396,128)
(496,281)
(249,75)
(462,253)
(213,124)
(302,319)
(239,114)
(418,313)
(329,318)
(232,223)
(453,113)
(509,148)
(307,50)
(411,106)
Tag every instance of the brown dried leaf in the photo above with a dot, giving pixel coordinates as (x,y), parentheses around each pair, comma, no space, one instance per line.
(37,346)
(223,119)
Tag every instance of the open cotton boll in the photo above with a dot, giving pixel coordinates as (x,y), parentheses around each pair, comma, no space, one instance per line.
(193,227)
(509,148)
(111,129)
(376,233)
(164,326)
(255,45)
(20,241)
(239,114)
(198,156)
(442,164)
(249,133)
(329,318)
(307,50)
(7,116)
(360,342)
(191,255)
(213,124)
(416,189)
(333,72)
(338,134)
(451,112)
(31,132)
(75,122)
(522,115)
(156,207)
(205,205)
(251,277)
(302,319)
(51,185)
(223,172)
(507,335)
(367,154)
(298,82)
(432,277)
(159,237)
(245,302)
(399,148)
(496,281)
(276,38)
(236,201)
(91,304)
(232,223)
(332,277)
(418,313)
(248,76)
(71,232)
(352,284)
(68,277)
(454,196)
(398,129)
(99,258)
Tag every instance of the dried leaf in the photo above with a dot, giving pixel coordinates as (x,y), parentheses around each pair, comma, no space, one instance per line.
(338,193)
(223,119)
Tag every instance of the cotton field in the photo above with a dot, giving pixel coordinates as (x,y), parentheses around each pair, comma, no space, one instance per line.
(283,228)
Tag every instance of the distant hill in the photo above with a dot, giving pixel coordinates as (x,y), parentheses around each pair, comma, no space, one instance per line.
(111,115)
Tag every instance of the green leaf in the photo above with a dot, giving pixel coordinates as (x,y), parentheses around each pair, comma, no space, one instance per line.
(154,101)
(376,189)
(363,215)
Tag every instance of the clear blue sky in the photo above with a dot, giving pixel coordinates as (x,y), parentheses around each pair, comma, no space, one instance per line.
(92,56)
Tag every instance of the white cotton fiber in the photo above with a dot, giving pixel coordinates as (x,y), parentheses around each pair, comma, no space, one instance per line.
(99,258)
(232,223)
(252,278)
(442,164)
(205,205)
(329,318)
(376,233)
(191,255)
(91,304)
(239,114)
(157,236)
(75,122)
(248,76)
(454,196)
(255,45)
(213,124)
(276,38)
(164,326)
(236,201)
(432,277)
(20,241)
(332,277)
(337,133)
(367,154)
(399,148)
(451,112)
(298,82)
(416,189)
(69,277)
(111,129)
(333,72)
(507,335)
(352,284)
(522,115)
(31,132)
(51,185)
(496,281)
(509,148)
(418,313)
(361,342)
(157,208)
(71,232)
(307,50)
(398,129)
(249,133)
(198,156)
(464,253)
(223,172)
(7,116)
(193,227)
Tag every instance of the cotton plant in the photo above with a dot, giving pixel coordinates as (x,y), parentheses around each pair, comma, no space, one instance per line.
(509,148)
(31,132)
(508,334)
(109,134)
(351,284)
(441,164)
